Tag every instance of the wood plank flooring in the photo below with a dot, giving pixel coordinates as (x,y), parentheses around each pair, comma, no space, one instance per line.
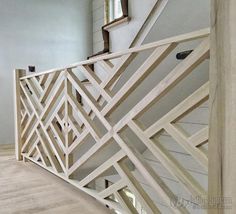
(27,189)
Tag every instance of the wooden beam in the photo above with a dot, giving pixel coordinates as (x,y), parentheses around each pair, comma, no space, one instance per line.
(149,174)
(165,85)
(178,39)
(137,189)
(200,138)
(222,135)
(125,202)
(17,109)
(158,55)
(169,162)
(102,168)
(180,138)
(113,188)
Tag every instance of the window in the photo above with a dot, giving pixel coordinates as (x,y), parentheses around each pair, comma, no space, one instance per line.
(114,10)
(115,13)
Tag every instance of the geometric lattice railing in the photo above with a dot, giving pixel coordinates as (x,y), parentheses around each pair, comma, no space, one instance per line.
(92,120)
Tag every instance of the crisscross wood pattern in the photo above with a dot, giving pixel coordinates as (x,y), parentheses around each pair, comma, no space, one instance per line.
(78,140)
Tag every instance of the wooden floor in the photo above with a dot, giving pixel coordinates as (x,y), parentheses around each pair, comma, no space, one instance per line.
(27,189)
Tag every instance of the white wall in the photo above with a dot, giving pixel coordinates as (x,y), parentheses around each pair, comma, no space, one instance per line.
(98,22)
(138,12)
(180,17)
(44,33)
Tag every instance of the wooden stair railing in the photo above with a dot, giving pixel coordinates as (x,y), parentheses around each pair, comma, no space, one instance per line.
(46,99)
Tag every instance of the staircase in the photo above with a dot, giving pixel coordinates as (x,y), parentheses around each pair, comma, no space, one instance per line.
(130,140)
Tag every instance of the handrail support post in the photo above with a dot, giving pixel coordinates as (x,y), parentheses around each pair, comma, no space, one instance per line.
(18,73)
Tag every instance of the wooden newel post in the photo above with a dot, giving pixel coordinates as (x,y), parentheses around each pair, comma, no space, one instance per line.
(222,139)
(18,73)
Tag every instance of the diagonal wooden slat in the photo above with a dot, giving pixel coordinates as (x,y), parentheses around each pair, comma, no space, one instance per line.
(34,94)
(58,135)
(84,117)
(87,97)
(95,81)
(174,77)
(186,144)
(136,188)
(125,202)
(198,96)
(43,79)
(78,141)
(58,90)
(33,88)
(113,188)
(99,170)
(200,137)
(26,107)
(82,90)
(43,155)
(28,125)
(154,180)
(54,147)
(56,110)
(106,65)
(37,85)
(31,136)
(48,152)
(148,66)
(118,69)
(170,164)
(31,102)
(75,127)
(99,145)
(33,148)
(55,125)
(56,76)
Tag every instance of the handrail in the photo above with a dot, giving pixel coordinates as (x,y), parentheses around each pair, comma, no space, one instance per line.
(177,39)
(52,124)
